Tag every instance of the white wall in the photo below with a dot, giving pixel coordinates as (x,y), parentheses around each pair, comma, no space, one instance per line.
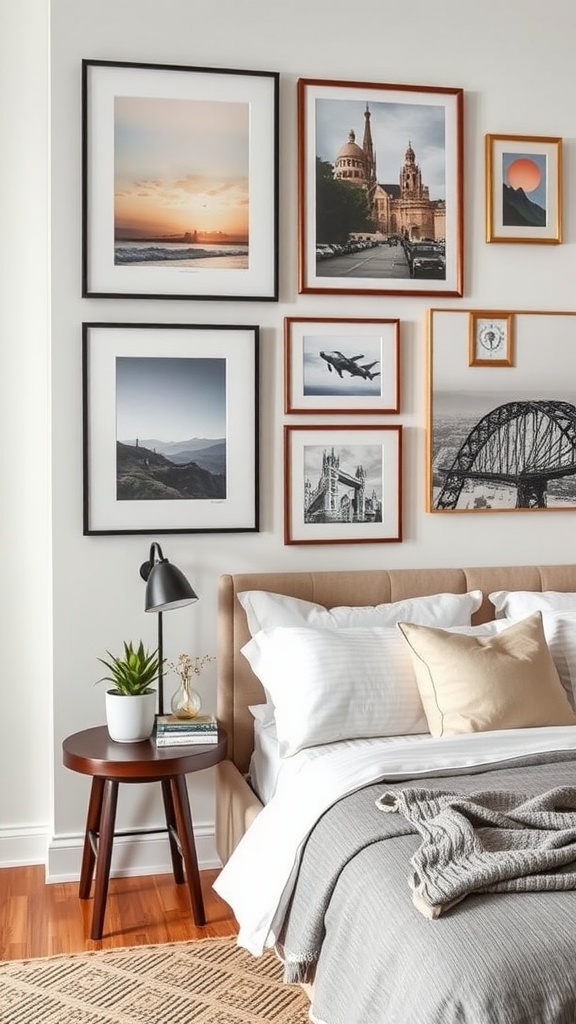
(515,63)
(25,549)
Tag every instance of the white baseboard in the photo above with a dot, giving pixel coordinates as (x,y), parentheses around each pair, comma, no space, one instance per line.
(142,854)
(22,845)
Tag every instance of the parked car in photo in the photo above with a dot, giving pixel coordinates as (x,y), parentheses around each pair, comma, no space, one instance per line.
(426,259)
(324,251)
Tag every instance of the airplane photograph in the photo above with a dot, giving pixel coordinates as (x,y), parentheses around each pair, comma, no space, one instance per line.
(345,364)
(340,370)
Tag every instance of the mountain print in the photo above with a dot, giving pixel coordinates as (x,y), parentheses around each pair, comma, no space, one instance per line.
(143,474)
(519,211)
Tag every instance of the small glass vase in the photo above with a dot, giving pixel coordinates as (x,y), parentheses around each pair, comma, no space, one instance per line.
(186,702)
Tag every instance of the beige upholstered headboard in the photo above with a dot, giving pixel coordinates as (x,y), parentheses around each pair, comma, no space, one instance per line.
(238,687)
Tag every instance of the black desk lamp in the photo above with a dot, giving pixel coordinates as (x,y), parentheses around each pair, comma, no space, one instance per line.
(166,588)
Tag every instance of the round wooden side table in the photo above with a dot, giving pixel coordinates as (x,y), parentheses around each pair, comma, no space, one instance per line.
(109,763)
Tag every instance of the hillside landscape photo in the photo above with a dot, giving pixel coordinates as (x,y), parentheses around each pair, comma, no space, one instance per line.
(155,470)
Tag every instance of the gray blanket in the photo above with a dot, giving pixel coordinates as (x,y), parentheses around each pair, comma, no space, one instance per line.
(496,958)
(487,842)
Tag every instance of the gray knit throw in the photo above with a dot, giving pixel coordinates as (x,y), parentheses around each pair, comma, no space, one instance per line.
(486,842)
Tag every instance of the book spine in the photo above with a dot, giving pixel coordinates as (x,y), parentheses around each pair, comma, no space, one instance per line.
(187,737)
(185,741)
(177,729)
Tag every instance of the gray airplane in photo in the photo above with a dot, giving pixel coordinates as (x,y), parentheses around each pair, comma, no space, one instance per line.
(341,363)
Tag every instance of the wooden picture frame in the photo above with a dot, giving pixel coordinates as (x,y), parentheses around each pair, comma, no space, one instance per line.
(380,188)
(179,182)
(491,339)
(501,438)
(339,365)
(170,417)
(524,189)
(342,484)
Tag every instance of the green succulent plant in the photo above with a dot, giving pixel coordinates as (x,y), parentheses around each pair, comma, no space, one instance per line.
(133,672)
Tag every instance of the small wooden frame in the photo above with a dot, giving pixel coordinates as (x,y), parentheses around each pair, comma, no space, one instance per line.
(343,484)
(491,339)
(341,365)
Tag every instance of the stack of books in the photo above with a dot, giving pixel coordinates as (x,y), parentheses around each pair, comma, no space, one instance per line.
(173,732)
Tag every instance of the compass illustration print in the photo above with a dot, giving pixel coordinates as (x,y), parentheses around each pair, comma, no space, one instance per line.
(491,339)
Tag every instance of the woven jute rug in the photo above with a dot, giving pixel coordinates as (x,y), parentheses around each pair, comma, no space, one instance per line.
(210,981)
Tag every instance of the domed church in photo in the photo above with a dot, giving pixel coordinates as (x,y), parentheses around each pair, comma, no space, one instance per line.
(404,209)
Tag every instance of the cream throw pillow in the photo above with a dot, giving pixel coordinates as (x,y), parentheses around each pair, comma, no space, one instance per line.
(479,683)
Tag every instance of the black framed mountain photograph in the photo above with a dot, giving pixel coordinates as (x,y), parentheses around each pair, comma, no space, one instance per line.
(170,428)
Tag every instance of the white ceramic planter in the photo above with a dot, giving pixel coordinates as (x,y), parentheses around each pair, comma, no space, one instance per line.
(130,719)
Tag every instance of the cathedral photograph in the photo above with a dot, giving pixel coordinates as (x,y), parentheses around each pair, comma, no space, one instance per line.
(383,183)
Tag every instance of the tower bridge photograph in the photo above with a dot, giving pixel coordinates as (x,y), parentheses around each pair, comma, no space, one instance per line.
(343,485)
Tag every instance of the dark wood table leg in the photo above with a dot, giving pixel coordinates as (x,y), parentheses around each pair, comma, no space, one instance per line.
(104,858)
(92,829)
(186,837)
(171,824)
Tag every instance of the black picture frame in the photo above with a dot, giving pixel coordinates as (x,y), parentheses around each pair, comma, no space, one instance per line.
(179,182)
(170,428)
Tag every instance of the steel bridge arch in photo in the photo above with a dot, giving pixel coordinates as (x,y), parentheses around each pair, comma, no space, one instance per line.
(519,444)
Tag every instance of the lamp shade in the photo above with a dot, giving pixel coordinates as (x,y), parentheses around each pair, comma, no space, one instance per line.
(166,585)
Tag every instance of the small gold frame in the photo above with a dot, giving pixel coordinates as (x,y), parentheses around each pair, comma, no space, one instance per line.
(524,189)
(491,339)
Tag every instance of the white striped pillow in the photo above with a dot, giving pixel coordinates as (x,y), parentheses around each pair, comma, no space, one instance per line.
(264,610)
(330,685)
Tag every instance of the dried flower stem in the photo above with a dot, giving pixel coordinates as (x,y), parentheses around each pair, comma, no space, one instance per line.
(186,666)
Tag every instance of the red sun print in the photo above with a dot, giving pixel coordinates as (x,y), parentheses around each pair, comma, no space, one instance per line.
(524,173)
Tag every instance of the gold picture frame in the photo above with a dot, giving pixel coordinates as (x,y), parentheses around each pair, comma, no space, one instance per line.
(491,340)
(501,439)
(524,189)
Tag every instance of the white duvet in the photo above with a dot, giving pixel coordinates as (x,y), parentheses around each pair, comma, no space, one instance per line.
(258,879)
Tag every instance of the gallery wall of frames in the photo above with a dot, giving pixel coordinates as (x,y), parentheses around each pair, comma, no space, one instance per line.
(501,422)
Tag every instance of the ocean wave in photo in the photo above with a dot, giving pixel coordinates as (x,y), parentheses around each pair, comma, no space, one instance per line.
(144,253)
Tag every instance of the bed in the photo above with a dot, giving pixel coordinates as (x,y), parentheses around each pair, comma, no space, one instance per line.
(330,869)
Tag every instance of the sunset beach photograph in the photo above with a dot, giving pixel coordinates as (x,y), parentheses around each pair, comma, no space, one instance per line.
(181,176)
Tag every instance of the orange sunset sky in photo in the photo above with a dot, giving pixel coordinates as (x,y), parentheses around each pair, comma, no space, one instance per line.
(180,166)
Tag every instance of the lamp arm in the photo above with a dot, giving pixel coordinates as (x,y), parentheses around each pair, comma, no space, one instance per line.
(154,557)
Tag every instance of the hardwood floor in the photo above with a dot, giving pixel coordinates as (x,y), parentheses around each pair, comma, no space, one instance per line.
(41,920)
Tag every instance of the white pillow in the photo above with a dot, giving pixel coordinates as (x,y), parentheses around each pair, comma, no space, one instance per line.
(331,685)
(265,611)
(517,604)
(559,620)
(560,633)
(263,714)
